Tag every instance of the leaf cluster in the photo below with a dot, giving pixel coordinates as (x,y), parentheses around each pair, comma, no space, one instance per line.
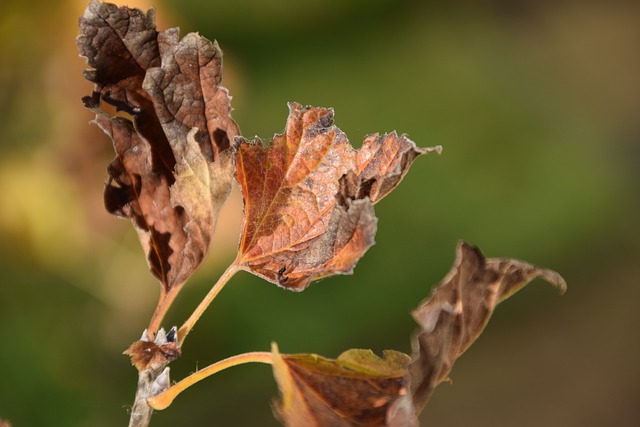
(308,213)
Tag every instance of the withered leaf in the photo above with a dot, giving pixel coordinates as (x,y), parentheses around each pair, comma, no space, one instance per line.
(174,158)
(356,389)
(309,195)
(148,355)
(455,314)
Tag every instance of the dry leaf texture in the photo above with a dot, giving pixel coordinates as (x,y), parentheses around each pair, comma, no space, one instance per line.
(309,195)
(356,389)
(455,316)
(174,158)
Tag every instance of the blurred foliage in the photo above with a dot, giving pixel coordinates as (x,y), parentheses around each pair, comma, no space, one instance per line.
(536,105)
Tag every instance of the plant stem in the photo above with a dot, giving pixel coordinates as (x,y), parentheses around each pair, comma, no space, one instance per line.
(140,411)
(164,399)
(191,321)
(166,298)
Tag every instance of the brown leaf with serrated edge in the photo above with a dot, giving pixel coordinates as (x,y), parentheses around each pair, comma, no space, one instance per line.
(309,195)
(454,316)
(187,94)
(174,161)
(356,389)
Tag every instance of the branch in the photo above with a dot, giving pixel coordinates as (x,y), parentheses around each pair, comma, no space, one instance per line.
(151,358)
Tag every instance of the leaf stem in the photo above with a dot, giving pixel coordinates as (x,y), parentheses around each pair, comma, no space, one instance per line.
(166,298)
(215,290)
(164,399)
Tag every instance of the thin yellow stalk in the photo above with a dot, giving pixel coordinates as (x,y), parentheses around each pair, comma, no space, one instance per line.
(161,309)
(191,321)
(164,399)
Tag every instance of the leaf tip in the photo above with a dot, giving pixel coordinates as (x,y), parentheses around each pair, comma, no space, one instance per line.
(427,150)
(556,280)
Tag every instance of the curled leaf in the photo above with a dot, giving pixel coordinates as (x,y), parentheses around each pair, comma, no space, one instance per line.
(356,389)
(174,160)
(309,195)
(455,314)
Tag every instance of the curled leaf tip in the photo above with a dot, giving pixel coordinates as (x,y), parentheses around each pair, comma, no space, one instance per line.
(556,280)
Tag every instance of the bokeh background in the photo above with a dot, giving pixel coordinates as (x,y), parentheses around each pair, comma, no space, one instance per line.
(537,105)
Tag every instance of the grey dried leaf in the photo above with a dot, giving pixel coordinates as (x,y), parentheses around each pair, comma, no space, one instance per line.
(455,315)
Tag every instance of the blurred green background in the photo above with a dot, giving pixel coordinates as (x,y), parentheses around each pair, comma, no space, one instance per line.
(537,105)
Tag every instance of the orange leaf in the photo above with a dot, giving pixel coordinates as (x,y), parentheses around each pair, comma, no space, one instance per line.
(309,197)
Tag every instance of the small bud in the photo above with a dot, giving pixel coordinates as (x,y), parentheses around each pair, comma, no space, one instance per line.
(161,337)
(172,336)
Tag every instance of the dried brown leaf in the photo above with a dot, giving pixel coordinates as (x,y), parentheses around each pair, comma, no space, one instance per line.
(309,197)
(174,160)
(147,355)
(356,389)
(455,314)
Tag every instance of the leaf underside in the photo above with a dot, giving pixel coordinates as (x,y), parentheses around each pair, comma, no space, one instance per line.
(356,389)
(455,315)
